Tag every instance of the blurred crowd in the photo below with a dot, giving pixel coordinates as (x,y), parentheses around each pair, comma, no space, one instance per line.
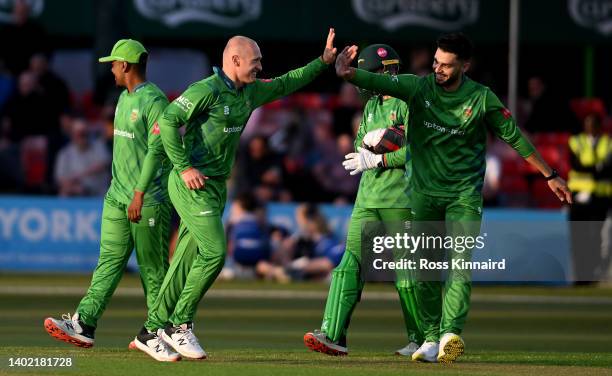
(53,143)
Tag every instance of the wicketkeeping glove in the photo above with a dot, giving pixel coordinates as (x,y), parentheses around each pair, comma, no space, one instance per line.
(362,160)
(385,140)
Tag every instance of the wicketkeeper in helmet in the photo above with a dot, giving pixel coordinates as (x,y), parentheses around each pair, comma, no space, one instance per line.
(383,196)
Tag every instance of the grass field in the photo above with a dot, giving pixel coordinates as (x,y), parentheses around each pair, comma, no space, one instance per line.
(257,328)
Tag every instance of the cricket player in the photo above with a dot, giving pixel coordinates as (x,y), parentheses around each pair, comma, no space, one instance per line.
(382,196)
(136,211)
(449,118)
(214,112)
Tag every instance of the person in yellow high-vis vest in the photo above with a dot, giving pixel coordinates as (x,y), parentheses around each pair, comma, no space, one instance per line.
(590,180)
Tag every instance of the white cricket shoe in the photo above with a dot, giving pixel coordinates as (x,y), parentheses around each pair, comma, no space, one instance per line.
(428,352)
(153,345)
(318,341)
(408,350)
(182,339)
(451,347)
(71,330)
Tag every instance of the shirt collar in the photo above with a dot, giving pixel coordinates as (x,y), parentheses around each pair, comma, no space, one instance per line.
(226,80)
(139,86)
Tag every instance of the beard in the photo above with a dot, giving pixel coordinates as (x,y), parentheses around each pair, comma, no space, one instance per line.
(449,81)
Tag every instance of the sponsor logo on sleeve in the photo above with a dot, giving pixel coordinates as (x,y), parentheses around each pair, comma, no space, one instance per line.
(183,103)
(266,80)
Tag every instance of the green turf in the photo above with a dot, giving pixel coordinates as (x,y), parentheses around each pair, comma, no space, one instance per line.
(263,336)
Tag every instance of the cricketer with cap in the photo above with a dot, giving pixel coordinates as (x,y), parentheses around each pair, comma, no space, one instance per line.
(136,213)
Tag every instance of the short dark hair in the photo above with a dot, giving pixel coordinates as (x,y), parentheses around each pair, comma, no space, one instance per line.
(247,201)
(456,43)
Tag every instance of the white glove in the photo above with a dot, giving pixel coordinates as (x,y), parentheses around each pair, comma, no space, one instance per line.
(372,138)
(362,161)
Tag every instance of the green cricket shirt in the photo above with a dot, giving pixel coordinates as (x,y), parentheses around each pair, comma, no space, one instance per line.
(138,158)
(215,113)
(448,130)
(384,188)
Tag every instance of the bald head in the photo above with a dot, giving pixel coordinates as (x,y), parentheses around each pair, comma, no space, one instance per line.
(241,60)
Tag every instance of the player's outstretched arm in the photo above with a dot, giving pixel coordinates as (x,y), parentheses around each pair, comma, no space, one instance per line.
(556,183)
(403,86)
(265,91)
(501,122)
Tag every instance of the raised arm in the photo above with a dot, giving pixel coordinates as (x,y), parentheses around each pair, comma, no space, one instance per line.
(265,91)
(403,86)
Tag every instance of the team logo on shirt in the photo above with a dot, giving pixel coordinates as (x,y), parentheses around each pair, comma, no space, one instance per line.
(467,112)
(427,104)
(134,115)
(155,128)
(225,110)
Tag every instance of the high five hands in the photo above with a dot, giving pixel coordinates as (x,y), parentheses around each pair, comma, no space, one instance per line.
(329,53)
(343,62)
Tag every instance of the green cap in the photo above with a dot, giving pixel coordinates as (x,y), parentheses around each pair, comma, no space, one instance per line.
(128,50)
(376,56)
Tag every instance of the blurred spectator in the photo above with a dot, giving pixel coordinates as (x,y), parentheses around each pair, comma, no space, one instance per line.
(260,171)
(546,110)
(82,166)
(7,84)
(53,88)
(57,106)
(492,179)
(349,102)
(356,122)
(26,112)
(331,175)
(590,180)
(247,240)
(21,39)
(311,253)
(421,61)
